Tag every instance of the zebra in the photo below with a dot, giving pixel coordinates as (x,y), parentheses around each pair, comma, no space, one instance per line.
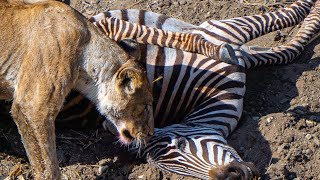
(198,101)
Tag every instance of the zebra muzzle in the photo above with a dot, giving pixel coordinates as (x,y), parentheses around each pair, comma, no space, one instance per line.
(235,170)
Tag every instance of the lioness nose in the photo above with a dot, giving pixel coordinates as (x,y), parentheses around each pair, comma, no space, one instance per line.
(127,134)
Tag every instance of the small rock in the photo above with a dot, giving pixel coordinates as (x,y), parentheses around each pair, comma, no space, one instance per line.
(308,152)
(309,136)
(310,123)
(207,15)
(140,177)
(175,3)
(103,169)
(269,119)
(115,159)
(182,2)
(20,177)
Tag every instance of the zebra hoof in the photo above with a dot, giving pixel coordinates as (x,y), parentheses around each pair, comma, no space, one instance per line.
(227,54)
(235,170)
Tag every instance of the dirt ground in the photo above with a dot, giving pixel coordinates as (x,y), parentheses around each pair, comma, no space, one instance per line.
(279,131)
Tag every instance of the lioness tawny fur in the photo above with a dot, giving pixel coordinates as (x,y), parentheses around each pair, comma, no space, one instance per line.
(46,50)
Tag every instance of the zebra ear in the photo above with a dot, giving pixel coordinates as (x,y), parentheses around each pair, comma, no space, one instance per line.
(131,47)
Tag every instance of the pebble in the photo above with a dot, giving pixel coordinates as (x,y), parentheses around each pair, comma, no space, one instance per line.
(175,3)
(310,123)
(103,169)
(207,15)
(269,119)
(20,177)
(182,2)
(115,159)
(140,177)
(308,152)
(309,136)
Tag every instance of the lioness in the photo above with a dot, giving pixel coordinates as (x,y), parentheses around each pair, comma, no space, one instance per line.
(47,49)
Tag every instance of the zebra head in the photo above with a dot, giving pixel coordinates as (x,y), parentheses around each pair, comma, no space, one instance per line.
(198,152)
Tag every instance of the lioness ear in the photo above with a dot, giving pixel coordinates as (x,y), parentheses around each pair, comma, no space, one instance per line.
(131,47)
(129,80)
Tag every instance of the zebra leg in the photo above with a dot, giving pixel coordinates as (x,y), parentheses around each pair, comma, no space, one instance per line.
(257,56)
(196,151)
(118,30)
(238,31)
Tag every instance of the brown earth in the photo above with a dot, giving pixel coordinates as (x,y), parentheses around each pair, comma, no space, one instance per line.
(279,131)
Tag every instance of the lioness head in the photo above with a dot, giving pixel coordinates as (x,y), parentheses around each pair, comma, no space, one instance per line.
(116,82)
(128,103)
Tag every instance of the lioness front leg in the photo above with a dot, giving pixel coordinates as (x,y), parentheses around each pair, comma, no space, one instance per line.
(34,111)
(38,137)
